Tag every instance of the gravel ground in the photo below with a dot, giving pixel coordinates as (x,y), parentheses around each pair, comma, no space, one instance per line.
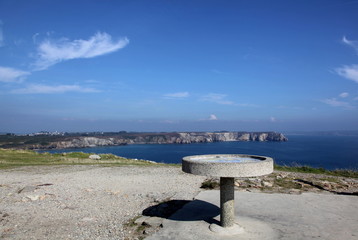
(84,202)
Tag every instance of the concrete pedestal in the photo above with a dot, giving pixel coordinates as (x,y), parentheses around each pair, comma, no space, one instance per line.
(227,216)
(227,167)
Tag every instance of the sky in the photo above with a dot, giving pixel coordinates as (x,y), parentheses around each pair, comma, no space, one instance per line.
(174,65)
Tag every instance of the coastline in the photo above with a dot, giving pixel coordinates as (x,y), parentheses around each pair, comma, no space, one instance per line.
(315,151)
(76,140)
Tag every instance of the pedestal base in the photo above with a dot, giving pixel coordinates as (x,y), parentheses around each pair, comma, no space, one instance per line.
(227,231)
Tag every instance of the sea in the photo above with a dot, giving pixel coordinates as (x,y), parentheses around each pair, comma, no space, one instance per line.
(329,152)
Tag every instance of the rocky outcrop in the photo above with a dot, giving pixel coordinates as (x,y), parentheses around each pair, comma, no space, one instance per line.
(291,183)
(161,138)
(81,142)
(193,137)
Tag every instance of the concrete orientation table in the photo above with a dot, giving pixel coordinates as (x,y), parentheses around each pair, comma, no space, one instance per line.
(227,167)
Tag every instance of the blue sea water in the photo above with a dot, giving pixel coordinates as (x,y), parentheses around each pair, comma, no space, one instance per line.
(330,152)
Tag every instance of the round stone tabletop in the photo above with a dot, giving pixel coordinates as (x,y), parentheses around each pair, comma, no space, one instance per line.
(228,165)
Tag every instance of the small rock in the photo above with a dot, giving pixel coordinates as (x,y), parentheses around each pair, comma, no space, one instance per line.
(267,184)
(95,157)
(33,197)
(27,189)
(87,219)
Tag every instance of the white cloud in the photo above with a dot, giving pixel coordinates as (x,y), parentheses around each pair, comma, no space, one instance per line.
(92,81)
(177,95)
(12,75)
(344,94)
(217,98)
(45,89)
(353,44)
(349,72)
(336,103)
(213,117)
(34,37)
(52,52)
(273,119)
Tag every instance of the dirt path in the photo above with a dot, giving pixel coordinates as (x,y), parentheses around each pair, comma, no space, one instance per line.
(84,202)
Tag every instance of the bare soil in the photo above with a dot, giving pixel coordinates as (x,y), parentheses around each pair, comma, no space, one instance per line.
(85,202)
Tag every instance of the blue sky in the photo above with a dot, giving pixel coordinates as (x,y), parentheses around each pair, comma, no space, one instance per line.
(178,65)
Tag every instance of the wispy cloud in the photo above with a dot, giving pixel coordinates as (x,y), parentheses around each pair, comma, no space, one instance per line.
(273,119)
(45,89)
(213,117)
(12,75)
(51,52)
(353,44)
(247,105)
(1,35)
(177,95)
(217,98)
(34,37)
(344,95)
(337,103)
(349,72)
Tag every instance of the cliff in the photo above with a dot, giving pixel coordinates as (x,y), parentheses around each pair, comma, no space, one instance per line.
(194,137)
(159,138)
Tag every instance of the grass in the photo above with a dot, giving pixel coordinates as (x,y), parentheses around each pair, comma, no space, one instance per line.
(306,169)
(138,230)
(15,158)
(131,222)
(210,184)
(287,183)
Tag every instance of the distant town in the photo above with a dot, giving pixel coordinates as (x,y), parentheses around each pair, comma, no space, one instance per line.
(56,133)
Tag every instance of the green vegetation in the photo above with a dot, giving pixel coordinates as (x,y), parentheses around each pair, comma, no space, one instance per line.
(286,183)
(210,184)
(14,158)
(138,230)
(13,141)
(131,222)
(306,169)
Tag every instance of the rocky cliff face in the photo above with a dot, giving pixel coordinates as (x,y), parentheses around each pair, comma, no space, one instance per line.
(81,142)
(87,142)
(230,136)
(162,138)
